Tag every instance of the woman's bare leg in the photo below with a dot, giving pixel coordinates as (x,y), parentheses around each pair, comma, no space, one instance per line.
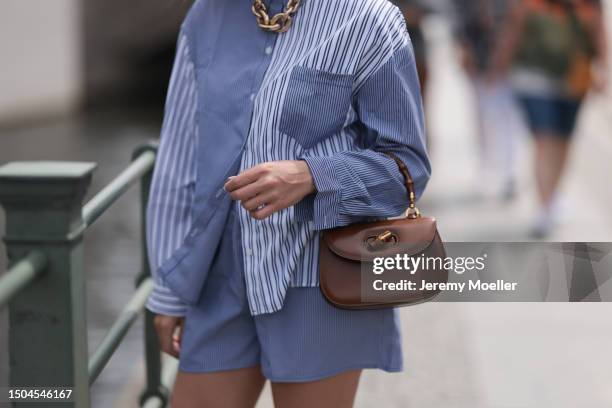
(551,157)
(226,389)
(335,392)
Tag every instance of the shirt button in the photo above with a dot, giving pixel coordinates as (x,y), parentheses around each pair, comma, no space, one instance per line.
(252,97)
(268,50)
(249,252)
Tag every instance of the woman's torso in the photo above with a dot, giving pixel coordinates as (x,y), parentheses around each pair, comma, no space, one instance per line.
(266,97)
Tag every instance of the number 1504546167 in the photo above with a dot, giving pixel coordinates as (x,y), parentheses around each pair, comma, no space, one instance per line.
(33,394)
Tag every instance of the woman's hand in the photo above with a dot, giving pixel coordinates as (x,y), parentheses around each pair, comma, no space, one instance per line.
(271,187)
(169,330)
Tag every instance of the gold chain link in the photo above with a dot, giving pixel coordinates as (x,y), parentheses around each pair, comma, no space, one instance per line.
(280,22)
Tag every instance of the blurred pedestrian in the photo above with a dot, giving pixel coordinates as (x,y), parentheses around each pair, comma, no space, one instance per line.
(414,12)
(499,124)
(549,47)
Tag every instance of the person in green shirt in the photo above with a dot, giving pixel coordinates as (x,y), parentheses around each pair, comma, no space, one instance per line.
(555,52)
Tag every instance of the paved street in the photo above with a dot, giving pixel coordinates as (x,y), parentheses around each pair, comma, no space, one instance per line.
(456,355)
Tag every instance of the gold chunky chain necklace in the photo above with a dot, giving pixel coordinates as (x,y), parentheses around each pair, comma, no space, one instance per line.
(280,22)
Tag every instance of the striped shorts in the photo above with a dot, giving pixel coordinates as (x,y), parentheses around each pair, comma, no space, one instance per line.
(307,340)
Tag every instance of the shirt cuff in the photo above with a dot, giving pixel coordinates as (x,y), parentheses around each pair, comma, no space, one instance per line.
(304,210)
(334,183)
(162,301)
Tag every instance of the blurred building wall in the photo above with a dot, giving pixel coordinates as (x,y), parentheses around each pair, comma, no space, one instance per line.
(129,49)
(40,58)
(62,55)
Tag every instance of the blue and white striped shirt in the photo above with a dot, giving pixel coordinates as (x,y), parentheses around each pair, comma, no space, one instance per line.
(340,87)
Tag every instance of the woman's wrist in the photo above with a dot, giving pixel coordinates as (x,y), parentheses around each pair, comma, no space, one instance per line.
(308,180)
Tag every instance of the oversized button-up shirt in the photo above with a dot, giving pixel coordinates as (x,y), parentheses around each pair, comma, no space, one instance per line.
(336,90)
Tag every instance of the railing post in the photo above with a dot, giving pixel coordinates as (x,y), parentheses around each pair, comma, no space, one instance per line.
(154,387)
(47,321)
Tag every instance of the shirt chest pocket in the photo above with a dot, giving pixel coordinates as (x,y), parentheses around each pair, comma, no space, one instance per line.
(316,105)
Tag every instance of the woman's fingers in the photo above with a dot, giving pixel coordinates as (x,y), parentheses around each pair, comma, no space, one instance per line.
(266,211)
(249,191)
(166,327)
(271,187)
(247,177)
(176,338)
(264,198)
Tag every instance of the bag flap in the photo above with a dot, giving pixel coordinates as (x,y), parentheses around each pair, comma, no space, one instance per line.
(411,236)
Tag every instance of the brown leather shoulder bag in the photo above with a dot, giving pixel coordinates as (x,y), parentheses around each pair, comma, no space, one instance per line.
(345,251)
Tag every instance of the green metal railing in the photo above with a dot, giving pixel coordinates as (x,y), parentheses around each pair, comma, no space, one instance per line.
(44,287)
(20,275)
